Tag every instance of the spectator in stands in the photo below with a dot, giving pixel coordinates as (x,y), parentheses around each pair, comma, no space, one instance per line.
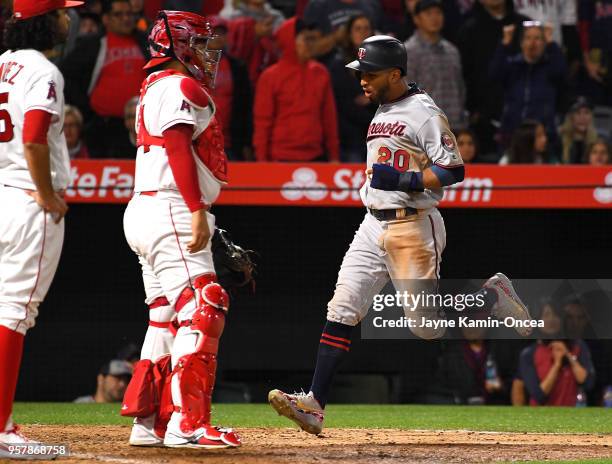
(261,11)
(532,80)
(294,111)
(560,14)
(73,128)
(130,353)
(577,132)
(250,36)
(598,153)
(355,111)
(142,22)
(402,27)
(576,321)
(477,42)
(89,24)
(529,145)
(595,28)
(467,371)
(233,97)
(554,371)
(112,381)
(468,145)
(129,120)
(331,17)
(102,74)
(549,314)
(428,51)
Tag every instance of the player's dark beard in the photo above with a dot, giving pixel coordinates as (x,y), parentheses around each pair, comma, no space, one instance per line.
(381,96)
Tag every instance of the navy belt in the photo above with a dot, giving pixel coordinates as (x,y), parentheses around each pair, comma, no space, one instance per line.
(392,214)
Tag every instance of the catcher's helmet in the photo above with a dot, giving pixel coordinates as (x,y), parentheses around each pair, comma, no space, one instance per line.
(380,52)
(184,36)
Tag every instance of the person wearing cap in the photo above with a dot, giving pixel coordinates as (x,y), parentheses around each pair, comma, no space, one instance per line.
(294,111)
(102,73)
(434,63)
(577,131)
(111,383)
(34,173)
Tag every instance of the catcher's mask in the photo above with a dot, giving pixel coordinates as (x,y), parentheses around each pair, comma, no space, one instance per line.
(184,36)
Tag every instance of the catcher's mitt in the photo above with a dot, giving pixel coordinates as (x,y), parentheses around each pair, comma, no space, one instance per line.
(234,265)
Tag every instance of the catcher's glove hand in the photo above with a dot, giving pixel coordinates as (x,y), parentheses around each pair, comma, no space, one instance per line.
(234,265)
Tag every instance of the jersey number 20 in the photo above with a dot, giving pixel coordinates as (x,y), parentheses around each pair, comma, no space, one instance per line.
(6,124)
(400,160)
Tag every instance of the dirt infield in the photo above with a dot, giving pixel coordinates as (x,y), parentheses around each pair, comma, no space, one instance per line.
(347,446)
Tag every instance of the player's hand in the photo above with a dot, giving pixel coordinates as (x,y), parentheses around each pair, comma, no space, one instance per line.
(508,34)
(53,204)
(200,233)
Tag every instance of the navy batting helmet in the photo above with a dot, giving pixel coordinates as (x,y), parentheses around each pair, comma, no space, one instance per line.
(380,52)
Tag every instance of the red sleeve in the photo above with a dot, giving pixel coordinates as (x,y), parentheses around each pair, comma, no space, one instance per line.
(263,117)
(329,120)
(177,140)
(36,124)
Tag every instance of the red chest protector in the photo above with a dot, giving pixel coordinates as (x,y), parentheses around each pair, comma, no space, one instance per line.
(208,147)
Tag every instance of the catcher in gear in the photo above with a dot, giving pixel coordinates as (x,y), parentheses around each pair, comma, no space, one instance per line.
(180,169)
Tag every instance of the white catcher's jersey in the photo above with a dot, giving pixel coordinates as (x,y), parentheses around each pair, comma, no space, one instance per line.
(410,134)
(29,81)
(164,106)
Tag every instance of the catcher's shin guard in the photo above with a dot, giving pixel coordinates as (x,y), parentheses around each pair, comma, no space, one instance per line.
(143,395)
(201,315)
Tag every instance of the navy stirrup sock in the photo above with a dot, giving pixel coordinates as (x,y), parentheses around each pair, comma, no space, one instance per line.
(334,345)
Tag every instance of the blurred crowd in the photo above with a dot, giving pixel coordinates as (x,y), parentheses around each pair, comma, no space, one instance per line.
(521,81)
(568,365)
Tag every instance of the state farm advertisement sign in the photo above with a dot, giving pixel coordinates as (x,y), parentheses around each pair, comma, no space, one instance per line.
(285,184)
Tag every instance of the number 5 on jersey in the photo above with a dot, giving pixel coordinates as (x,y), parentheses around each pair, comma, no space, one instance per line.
(6,124)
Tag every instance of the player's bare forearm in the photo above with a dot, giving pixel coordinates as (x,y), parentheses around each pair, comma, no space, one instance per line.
(37,157)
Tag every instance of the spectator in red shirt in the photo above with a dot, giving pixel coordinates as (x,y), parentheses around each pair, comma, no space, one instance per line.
(73,128)
(554,370)
(233,97)
(294,112)
(251,28)
(102,73)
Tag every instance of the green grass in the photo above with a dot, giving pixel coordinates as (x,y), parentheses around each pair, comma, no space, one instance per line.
(487,418)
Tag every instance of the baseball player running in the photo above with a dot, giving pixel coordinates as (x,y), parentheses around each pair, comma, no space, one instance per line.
(180,168)
(412,156)
(34,171)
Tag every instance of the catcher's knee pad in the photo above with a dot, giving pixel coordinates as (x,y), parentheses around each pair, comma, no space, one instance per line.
(143,395)
(161,312)
(159,337)
(193,380)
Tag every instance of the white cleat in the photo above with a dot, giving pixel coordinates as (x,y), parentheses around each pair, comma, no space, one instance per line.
(508,303)
(301,408)
(205,437)
(143,432)
(14,445)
